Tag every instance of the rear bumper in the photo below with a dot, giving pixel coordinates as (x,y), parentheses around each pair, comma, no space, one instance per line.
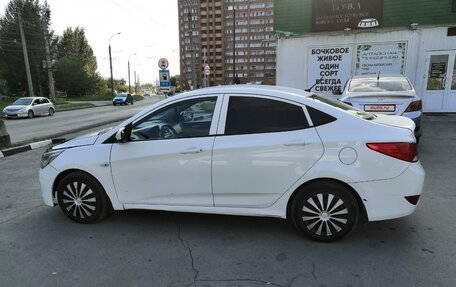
(385,199)
(417,118)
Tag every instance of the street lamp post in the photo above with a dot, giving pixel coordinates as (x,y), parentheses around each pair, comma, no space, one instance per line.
(129,89)
(110,63)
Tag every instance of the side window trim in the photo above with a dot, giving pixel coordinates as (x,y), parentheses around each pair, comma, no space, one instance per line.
(223,114)
(309,119)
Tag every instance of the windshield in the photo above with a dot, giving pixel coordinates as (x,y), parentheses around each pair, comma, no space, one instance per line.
(344,107)
(381,85)
(121,96)
(22,102)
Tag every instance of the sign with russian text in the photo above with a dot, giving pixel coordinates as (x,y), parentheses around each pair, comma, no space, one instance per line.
(337,15)
(329,68)
(380,58)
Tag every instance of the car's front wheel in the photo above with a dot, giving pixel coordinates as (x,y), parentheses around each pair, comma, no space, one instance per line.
(82,198)
(30,114)
(325,211)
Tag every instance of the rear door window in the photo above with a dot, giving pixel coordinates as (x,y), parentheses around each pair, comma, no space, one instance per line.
(251,115)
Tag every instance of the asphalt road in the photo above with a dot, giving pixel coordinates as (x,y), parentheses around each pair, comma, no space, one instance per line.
(39,246)
(45,127)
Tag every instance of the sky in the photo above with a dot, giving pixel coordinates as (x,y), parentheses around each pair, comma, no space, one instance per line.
(148,28)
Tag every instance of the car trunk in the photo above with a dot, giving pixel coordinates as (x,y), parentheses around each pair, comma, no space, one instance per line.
(395,121)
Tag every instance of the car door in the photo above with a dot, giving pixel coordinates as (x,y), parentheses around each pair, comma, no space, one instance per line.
(168,160)
(264,145)
(36,106)
(45,105)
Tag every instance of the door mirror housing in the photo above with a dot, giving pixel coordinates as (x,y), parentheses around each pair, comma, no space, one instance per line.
(123,135)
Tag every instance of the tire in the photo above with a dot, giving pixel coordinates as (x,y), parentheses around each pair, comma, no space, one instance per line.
(51,112)
(114,104)
(325,211)
(82,198)
(132,102)
(30,114)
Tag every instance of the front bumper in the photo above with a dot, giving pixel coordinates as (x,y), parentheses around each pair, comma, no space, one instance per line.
(47,179)
(385,199)
(15,114)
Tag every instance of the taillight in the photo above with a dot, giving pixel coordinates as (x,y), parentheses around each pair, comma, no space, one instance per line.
(401,150)
(414,106)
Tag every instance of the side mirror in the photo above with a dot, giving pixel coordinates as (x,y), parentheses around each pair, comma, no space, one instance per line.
(120,135)
(123,135)
(337,92)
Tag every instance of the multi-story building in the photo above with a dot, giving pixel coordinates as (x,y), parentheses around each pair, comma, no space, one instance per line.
(233,37)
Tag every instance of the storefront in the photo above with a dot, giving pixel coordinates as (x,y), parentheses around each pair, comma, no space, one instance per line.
(349,37)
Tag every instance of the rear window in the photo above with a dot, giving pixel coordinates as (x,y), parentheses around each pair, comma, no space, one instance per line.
(344,107)
(251,115)
(381,85)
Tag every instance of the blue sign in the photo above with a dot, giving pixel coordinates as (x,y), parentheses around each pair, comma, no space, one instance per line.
(164,78)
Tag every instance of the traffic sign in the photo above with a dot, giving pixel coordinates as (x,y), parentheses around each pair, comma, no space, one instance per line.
(164,78)
(163,63)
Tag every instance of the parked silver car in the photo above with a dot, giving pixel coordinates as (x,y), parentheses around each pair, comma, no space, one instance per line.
(29,107)
(384,94)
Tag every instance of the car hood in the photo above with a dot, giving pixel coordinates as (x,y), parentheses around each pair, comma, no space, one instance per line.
(88,139)
(120,98)
(15,107)
(395,121)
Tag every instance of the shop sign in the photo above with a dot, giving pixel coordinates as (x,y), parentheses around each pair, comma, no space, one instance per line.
(337,15)
(380,58)
(437,70)
(329,68)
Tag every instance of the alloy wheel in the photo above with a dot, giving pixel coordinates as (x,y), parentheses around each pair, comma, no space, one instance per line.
(79,200)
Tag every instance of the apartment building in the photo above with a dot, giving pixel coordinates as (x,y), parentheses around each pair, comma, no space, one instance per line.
(233,37)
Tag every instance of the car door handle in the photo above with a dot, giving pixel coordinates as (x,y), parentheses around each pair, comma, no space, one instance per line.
(192,150)
(297,143)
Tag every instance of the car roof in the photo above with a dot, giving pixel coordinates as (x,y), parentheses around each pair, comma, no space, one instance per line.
(31,98)
(285,92)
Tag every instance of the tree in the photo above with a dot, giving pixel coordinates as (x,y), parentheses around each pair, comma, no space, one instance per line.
(35,22)
(5,140)
(76,65)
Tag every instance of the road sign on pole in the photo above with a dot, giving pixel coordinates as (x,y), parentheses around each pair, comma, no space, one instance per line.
(163,63)
(164,78)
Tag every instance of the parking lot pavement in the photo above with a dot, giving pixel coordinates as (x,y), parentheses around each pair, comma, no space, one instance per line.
(39,246)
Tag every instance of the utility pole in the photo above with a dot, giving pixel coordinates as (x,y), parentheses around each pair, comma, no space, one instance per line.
(129,89)
(26,60)
(110,64)
(48,63)
(135,81)
(205,65)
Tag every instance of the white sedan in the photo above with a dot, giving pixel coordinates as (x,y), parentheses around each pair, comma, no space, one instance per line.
(243,150)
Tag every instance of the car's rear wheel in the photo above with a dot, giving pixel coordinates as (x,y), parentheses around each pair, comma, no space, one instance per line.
(325,211)
(82,198)
(30,114)
(51,112)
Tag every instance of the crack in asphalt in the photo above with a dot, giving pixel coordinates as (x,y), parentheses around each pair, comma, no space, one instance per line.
(241,280)
(293,279)
(187,246)
(313,271)
(196,272)
(21,214)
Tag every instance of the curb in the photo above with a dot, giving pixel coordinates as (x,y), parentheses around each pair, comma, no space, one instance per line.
(35,145)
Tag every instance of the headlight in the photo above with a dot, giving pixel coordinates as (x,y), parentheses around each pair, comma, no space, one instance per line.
(48,156)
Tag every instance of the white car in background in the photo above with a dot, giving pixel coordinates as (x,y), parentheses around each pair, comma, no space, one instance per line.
(243,150)
(384,94)
(29,107)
